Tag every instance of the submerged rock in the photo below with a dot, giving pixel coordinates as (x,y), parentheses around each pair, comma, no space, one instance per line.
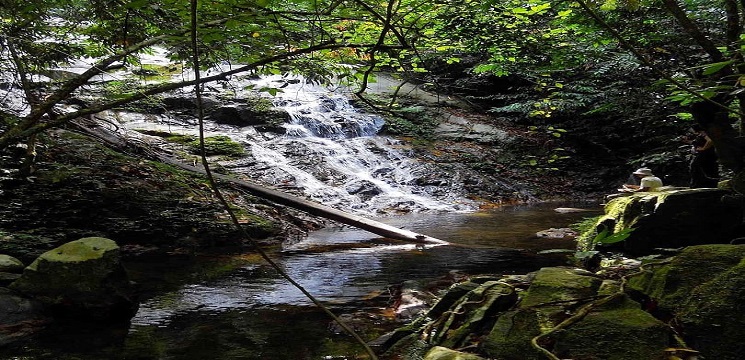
(80,279)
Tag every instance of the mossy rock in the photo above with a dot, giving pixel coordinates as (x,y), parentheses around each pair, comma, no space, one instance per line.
(510,337)
(671,219)
(702,288)
(80,278)
(218,145)
(711,318)
(539,311)
(618,330)
(669,285)
(560,284)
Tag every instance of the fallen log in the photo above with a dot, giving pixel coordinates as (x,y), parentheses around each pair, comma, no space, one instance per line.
(119,143)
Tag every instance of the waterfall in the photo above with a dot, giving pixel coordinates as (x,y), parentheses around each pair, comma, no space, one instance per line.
(329,151)
(332,153)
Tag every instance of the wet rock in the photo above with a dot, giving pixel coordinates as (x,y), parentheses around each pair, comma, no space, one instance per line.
(701,289)
(246,115)
(668,220)
(82,279)
(20,317)
(557,233)
(363,188)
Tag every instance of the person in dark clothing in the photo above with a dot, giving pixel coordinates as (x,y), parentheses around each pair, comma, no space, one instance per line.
(704,167)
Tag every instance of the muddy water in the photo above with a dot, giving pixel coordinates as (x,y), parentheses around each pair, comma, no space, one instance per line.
(249,312)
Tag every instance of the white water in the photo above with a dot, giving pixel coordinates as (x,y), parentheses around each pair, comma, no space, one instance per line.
(330,153)
(346,164)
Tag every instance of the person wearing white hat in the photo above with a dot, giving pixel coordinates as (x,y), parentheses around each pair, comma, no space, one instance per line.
(647,181)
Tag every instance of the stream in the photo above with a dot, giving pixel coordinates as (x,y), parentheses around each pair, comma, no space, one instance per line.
(237,307)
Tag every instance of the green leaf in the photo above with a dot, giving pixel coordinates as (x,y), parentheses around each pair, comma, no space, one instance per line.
(715,67)
(604,238)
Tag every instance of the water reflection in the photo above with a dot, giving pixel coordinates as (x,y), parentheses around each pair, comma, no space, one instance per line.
(501,241)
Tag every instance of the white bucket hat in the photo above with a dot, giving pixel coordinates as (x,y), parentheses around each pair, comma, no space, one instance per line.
(643,171)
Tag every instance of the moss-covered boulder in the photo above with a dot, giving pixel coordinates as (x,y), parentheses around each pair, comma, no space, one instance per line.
(82,279)
(670,219)
(541,308)
(560,284)
(703,289)
(617,330)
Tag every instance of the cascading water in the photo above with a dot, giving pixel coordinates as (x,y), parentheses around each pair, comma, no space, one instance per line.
(330,151)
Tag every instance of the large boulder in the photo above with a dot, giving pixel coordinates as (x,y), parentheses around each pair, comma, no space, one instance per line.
(541,308)
(670,219)
(703,290)
(82,279)
(617,330)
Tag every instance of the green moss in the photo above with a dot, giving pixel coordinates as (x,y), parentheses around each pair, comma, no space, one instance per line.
(621,213)
(708,315)
(77,251)
(618,330)
(260,104)
(218,145)
(559,284)
(672,284)
(158,73)
(510,337)
(587,228)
